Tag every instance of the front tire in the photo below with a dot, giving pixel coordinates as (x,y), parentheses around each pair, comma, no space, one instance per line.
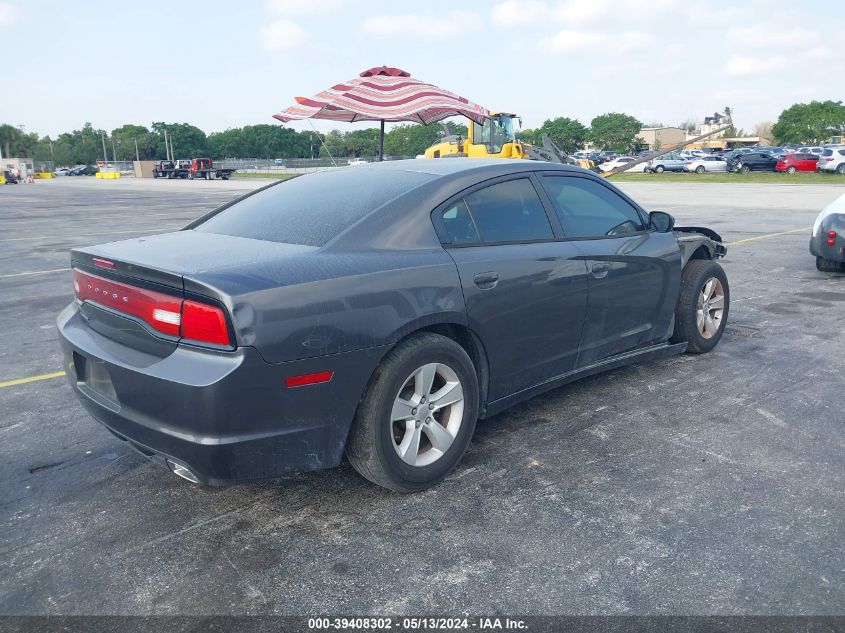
(791,169)
(703,304)
(658,169)
(417,416)
(744,169)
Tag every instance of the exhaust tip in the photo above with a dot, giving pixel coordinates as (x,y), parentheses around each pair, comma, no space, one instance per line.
(182,471)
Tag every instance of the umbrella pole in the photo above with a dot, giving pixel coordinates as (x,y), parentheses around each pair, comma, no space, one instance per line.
(381,143)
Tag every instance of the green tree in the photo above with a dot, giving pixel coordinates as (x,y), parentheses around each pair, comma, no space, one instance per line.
(15,142)
(125,138)
(568,134)
(411,139)
(188,140)
(812,122)
(531,136)
(615,131)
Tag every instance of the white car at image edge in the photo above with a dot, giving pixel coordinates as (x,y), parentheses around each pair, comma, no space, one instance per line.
(621,161)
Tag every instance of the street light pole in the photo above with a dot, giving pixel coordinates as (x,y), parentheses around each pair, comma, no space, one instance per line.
(137,155)
(103,137)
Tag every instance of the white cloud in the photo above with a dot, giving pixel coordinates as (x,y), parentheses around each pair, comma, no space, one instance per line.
(571,41)
(282,35)
(745,66)
(8,14)
(580,12)
(303,7)
(763,36)
(567,40)
(420,24)
(519,12)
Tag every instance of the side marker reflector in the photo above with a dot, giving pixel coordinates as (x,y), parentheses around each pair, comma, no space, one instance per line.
(308,379)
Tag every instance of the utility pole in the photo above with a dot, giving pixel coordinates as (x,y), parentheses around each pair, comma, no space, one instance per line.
(103,137)
(137,155)
(166,147)
(113,153)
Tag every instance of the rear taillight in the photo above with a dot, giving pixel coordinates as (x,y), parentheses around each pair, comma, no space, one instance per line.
(831,238)
(203,322)
(162,312)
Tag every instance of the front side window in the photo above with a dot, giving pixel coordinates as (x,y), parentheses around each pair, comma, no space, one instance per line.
(509,211)
(587,208)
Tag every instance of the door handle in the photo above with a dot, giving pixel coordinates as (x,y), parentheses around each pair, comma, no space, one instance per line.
(600,270)
(485,281)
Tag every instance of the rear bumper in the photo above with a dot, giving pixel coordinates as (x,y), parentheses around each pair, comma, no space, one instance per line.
(227,417)
(818,242)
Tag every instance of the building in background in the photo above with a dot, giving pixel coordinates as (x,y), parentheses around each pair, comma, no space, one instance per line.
(654,138)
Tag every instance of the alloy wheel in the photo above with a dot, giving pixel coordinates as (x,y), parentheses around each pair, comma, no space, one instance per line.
(427,414)
(710,308)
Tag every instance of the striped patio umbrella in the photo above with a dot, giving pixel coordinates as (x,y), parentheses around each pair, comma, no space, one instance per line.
(383,94)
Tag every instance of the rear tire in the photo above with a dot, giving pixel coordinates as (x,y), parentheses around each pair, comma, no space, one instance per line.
(829,266)
(841,169)
(703,305)
(384,424)
(699,169)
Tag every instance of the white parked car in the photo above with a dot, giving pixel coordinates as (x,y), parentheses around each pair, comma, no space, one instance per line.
(832,160)
(620,161)
(701,164)
(357,161)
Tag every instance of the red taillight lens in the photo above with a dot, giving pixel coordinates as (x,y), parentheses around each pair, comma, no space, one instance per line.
(202,322)
(103,263)
(163,312)
(160,311)
(831,234)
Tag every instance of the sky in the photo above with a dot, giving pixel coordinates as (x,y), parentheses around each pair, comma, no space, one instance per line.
(223,64)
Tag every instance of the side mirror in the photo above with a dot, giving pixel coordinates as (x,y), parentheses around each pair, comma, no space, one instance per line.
(661,221)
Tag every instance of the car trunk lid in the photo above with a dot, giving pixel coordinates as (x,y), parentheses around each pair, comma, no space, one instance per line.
(153,293)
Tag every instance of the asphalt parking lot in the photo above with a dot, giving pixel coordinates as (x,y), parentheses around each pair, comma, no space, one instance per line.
(695,485)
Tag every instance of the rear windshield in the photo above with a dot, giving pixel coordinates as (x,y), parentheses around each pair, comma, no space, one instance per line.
(312,209)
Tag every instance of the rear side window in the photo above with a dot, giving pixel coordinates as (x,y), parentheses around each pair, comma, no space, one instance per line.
(827,152)
(842,152)
(312,209)
(509,211)
(589,209)
(458,224)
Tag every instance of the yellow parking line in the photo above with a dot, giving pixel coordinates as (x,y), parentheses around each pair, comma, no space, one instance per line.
(768,235)
(23,381)
(36,272)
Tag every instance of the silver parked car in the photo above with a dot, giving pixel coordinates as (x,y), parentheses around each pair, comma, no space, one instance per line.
(667,162)
(706,163)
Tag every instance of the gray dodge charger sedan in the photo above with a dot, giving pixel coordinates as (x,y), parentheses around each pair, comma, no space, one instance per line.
(378,312)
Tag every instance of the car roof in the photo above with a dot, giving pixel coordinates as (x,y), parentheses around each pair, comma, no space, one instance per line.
(461,166)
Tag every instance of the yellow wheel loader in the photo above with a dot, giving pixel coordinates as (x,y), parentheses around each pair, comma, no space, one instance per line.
(495,138)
